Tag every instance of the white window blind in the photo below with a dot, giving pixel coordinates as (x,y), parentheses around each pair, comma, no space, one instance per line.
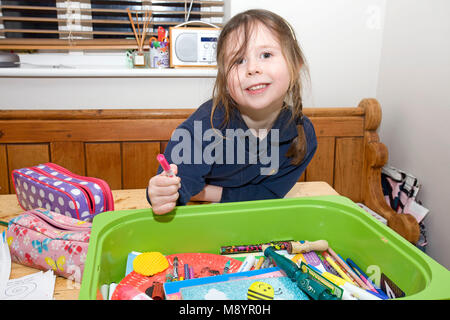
(91,24)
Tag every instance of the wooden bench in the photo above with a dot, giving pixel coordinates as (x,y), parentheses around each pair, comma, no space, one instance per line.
(120,146)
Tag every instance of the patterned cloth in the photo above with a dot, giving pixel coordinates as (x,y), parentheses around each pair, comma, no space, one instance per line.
(45,240)
(400,190)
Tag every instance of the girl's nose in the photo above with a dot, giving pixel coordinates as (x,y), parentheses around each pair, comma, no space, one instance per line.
(253,67)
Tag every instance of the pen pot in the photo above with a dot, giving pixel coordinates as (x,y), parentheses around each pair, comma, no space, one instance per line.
(159,54)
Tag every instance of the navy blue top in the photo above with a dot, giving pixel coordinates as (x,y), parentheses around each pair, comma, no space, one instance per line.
(246,170)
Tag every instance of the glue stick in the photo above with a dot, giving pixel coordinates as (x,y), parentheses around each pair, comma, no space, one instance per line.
(247,264)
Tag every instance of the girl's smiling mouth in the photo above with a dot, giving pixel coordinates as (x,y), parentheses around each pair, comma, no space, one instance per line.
(257,88)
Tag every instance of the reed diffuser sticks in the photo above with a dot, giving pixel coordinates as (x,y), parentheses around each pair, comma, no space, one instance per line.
(140,35)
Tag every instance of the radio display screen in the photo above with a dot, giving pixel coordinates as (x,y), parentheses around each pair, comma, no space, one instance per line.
(209,39)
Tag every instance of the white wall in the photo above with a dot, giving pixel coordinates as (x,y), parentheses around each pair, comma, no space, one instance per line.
(413,89)
(103,92)
(341,40)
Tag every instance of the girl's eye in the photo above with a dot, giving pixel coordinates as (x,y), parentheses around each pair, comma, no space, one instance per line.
(240,61)
(266,55)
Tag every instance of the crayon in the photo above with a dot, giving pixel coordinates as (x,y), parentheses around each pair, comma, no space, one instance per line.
(336,267)
(266,263)
(349,272)
(327,265)
(259,263)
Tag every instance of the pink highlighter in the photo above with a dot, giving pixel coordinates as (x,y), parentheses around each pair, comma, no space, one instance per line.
(165,165)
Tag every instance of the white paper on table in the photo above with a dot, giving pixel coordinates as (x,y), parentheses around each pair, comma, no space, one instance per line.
(37,286)
(5,262)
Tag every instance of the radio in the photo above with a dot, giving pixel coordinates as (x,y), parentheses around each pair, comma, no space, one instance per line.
(193,47)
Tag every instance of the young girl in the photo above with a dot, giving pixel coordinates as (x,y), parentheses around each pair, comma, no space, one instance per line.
(251,141)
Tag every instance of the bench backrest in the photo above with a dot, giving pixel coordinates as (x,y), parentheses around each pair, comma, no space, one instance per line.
(120,146)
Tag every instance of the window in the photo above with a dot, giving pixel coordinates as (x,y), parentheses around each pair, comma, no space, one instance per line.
(92,24)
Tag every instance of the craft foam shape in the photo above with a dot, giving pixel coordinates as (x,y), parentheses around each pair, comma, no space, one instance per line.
(150,263)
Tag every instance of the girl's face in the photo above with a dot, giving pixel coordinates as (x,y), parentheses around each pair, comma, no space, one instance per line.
(260,79)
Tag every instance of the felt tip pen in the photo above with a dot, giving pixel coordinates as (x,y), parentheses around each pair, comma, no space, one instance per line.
(165,165)
(354,291)
(363,279)
(346,295)
(353,275)
(363,276)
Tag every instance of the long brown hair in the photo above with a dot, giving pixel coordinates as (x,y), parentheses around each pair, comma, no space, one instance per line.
(244,22)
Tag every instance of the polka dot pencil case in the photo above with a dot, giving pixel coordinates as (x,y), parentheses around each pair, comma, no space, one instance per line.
(55,188)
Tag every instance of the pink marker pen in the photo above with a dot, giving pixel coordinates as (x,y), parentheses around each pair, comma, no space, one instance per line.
(165,165)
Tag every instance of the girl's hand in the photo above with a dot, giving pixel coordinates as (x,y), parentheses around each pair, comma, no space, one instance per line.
(163,191)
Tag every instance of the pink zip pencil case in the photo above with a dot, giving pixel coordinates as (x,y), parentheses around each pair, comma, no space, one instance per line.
(45,240)
(55,188)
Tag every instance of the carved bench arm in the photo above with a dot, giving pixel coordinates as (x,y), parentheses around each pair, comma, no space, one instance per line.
(375,157)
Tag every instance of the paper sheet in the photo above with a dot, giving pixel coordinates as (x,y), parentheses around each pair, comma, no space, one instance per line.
(37,286)
(5,262)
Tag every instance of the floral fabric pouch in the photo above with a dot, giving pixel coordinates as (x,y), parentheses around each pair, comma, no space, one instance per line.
(43,239)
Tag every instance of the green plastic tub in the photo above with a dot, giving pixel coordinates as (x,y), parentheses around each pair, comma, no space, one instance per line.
(349,230)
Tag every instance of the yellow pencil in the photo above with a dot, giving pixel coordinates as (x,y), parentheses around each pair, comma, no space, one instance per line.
(336,267)
(259,263)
